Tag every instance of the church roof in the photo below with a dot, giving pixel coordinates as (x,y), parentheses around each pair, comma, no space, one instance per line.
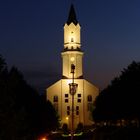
(72,16)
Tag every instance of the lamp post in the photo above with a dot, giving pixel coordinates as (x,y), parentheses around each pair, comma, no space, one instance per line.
(73,87)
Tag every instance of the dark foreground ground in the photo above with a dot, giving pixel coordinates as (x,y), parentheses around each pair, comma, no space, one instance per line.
(105,133)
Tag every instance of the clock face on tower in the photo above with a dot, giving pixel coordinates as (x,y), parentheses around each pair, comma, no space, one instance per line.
(72,59)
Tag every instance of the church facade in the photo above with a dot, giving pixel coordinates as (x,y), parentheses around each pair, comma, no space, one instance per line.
(72,108)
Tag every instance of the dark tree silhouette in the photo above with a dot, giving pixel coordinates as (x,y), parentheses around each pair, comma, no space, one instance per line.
(24,114)
(121,98)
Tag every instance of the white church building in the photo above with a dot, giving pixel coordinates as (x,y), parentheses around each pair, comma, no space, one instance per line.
(72,108)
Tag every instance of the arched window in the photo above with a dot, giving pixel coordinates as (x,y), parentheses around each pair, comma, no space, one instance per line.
(55,98)
(77,110)
(89,98)
(72,39)
(89,104)
(68,110)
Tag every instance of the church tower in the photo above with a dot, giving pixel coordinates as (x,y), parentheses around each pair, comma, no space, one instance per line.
(72,53)
(79,106)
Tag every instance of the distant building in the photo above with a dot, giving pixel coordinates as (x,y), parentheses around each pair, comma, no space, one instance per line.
(59,93)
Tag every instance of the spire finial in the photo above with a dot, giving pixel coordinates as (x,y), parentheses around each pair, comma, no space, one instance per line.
(72,16)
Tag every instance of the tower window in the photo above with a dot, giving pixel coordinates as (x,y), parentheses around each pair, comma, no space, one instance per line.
(68,107)
(66,100)
(68,110)
(66,95)
(79,100)
(78,95)
(77,107)
(72,47)
(72,40)
(55,98)
(89,98)
(77,110)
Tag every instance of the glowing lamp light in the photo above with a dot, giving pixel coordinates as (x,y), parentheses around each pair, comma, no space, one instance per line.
(67,118)
(44,139)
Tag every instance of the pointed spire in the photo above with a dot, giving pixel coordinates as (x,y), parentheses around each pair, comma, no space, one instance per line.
(72,16)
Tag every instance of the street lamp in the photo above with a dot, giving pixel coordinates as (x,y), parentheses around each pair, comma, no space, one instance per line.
(72,87)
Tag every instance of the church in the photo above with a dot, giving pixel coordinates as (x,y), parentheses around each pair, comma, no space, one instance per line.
(72,96)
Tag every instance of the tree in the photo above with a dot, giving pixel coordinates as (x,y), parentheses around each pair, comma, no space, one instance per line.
(24,114)
(121,98)
(53,117)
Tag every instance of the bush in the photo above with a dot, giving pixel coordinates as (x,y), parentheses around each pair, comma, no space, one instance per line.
(79,127)
(65,128)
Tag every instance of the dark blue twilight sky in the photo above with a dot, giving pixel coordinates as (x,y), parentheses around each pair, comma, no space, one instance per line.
(31,37)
